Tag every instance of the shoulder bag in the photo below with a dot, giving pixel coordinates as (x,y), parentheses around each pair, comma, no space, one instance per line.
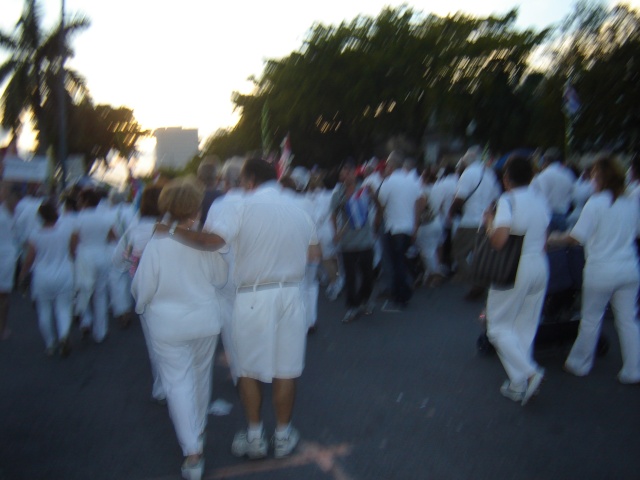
(496,267)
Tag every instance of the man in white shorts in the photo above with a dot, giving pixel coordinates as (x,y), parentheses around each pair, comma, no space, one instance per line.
(272,239)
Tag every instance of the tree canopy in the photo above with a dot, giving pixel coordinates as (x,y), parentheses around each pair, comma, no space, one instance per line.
(32,76)
(403,77)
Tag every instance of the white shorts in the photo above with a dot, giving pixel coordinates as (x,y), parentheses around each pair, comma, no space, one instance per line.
(269,333)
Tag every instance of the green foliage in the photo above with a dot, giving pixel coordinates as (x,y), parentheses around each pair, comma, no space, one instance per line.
(97,131)
(31,71)
(352,88)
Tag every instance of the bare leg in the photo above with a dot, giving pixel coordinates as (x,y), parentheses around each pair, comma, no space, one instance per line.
(284,395)
(251,398)
(4,316)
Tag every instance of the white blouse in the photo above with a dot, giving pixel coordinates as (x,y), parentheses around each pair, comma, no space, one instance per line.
(176,290)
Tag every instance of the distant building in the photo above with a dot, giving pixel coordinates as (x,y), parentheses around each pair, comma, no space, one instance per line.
(175,146)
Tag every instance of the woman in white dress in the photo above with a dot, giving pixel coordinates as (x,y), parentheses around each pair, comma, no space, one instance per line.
(608,227)
(176,292)
(8,253)
(90,248)
(49,259)
(513,314)
(126,258)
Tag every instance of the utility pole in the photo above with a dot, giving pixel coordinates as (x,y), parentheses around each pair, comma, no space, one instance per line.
(62,104)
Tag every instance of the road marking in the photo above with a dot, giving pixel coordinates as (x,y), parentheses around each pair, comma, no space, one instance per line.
(308,453)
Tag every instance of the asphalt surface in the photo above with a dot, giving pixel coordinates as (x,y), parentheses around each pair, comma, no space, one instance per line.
(390,396)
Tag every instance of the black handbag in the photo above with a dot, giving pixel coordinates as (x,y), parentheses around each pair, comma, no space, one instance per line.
(496,267)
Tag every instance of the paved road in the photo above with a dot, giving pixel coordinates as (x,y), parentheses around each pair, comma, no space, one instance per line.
(393,396)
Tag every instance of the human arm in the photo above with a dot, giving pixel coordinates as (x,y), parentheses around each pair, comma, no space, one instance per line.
(456,207)
(314,253)
(200,240)
(145,281)
(27,264)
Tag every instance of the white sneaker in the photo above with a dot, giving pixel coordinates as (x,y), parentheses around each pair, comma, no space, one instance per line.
(284,446)
(193,472)
(510,393)
(533,385)
(350,316)
(255,449)
(332,292)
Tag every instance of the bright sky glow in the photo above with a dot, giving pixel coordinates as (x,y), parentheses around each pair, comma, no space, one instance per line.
(177,63)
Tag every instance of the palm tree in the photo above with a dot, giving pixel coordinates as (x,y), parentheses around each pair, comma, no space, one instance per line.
(32,70)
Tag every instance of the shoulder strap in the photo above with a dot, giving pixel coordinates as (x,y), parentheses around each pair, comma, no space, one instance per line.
(474,190)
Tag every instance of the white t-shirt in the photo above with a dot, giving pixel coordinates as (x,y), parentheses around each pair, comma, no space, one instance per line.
(52,267)
(443,193)
(525,212)
(269,234)
(93,226)
(555,183)
(373,180)
(582,190)
(398,195)
(477,199)
(608,230)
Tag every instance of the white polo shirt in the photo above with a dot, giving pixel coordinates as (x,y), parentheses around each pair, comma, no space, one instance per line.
(608,230)
(525,212)
(477,199)
(555,183)
(443,193)
(398,195)
(269,234)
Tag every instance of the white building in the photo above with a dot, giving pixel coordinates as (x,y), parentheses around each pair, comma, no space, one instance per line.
(175,146)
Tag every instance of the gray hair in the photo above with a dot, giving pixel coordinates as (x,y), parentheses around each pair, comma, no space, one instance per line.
(230,172)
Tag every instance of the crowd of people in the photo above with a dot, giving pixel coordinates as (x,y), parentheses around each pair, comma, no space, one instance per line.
(241,254)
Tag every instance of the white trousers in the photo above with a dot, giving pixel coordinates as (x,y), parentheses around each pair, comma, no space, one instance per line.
(186,369)
(60,307)
(96,315)
(513,316)
(120,292)
(157,390)
(601,284)
(428,240)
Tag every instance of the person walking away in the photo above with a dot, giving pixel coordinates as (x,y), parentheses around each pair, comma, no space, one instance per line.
(272,239)
(9,253)
(175,289)
(607,228)
(49,257)
(555,182)
(350,209)
(513,314)
(92,255)
(126,257)
(477,188)
(398,197)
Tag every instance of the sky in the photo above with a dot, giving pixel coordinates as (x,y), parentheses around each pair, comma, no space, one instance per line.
(178,63)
